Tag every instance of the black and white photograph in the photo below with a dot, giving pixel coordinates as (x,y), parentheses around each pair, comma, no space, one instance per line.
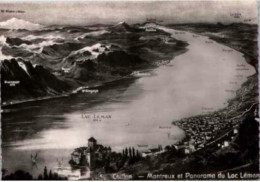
(129,90)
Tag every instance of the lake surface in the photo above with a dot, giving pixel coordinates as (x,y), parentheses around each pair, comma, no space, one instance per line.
(134,112)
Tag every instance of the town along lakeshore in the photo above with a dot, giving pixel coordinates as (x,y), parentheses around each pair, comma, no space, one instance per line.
(140,109)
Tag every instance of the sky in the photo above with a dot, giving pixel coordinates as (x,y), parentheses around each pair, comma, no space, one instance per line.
(110,12)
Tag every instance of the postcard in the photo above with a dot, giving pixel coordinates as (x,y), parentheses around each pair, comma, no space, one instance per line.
(129,90)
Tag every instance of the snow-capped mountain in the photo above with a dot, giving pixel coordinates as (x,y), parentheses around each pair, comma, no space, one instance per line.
(15,24)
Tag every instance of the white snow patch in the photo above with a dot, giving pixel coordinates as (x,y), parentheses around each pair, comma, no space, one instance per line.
(48,37)
(101,48)
(122,22)
(22,65)
(2,40)
(35,65)
(94,34)
(15,24)
(37,48)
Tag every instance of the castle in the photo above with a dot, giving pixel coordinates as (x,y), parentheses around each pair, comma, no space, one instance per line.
(87,156)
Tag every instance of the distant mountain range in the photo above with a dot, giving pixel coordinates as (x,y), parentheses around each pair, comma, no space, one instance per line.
(49,61)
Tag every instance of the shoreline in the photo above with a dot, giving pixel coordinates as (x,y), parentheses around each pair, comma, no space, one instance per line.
(219,39)
(194,139)
(67,94)
(245,55)
(92,86)
(227,128)
(210,115)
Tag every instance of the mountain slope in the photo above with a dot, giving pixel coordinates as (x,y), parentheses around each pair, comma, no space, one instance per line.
(124,27)
(75,56)
(31,81)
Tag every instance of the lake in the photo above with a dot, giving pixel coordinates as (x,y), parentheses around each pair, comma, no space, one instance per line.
(134,112)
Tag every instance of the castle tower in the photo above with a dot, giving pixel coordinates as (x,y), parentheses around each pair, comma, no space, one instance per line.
(92,143)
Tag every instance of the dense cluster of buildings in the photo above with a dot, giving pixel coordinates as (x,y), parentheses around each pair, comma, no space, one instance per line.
(207,129)
(153,151)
